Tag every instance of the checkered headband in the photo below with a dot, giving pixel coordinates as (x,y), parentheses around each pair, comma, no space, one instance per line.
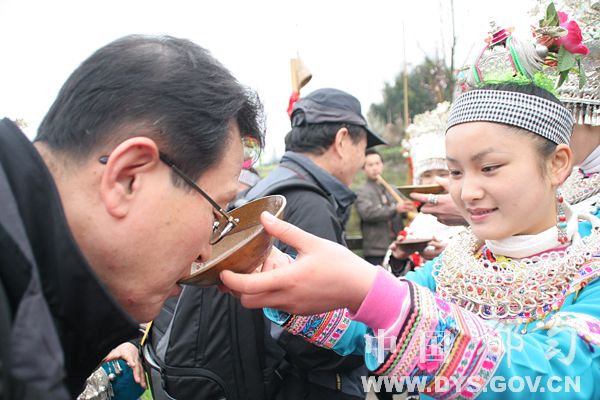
(535,114)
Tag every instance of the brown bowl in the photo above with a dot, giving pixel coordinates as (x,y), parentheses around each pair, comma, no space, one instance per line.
(413,245)
(433,189)
(244,248)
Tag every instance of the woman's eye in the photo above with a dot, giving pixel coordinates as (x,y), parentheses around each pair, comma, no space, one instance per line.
(490,168)
(455,173)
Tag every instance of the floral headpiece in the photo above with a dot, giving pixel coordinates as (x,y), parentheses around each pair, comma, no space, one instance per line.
(560,42)
(581,94)
(555,48)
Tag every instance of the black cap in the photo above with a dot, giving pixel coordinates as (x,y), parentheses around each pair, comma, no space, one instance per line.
(332,105)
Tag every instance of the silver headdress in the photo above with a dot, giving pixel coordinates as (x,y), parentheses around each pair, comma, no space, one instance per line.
(506,57)
(584,102)
(425,140)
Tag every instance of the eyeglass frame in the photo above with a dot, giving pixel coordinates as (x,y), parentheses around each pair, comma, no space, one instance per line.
(231,221)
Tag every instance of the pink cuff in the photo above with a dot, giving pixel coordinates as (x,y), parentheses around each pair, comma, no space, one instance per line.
(383,305)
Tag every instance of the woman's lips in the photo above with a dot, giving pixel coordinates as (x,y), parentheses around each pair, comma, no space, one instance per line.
(480,214)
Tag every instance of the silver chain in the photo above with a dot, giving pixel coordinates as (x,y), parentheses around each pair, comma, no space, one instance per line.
(511,289)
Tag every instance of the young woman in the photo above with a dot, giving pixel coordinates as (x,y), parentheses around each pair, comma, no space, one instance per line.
(425,140)
(512,305)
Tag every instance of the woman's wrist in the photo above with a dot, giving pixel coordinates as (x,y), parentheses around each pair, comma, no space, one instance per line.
(363,280)
(383,303)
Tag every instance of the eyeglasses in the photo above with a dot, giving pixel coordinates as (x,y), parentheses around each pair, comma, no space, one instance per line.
(219,229)
(251,150)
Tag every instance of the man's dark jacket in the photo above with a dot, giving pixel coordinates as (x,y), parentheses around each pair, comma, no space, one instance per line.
(323,213)
(379,221)
(57,321)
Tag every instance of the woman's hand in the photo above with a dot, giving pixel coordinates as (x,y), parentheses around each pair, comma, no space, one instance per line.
(324,276)
(276,259)
(434,248)
(444,208)
(397,252)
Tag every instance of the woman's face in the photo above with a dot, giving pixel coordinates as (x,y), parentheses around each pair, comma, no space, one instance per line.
(497,182)
(428,177)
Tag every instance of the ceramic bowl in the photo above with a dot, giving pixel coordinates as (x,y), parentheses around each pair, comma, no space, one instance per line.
(244,248)
(410,246)
(433,189)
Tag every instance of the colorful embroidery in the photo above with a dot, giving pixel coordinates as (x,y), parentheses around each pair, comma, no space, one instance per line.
(586,326)
(324,330)
(441,339)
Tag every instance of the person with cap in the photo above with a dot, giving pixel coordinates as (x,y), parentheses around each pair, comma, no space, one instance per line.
(324,150)
(381,217)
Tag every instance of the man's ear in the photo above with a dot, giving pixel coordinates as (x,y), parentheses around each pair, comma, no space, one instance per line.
(560,164)
(341,140)
(124,169)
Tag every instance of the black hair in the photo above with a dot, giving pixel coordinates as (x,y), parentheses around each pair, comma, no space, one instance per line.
(174,87)
(317,138)
(371,150)
(545,147)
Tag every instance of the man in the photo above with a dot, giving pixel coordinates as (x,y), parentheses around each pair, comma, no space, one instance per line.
(324,151)
(98,219)
(380,216)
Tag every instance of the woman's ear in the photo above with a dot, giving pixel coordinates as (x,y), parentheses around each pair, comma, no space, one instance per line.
(122,177)
(560,162)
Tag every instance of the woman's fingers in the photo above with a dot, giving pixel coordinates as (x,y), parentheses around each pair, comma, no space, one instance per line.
(266,281)
(288,233)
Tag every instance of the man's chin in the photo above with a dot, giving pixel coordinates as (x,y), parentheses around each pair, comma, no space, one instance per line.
(146,312)
(176,291)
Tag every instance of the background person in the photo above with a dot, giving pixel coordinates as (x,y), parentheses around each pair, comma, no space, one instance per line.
(426,144)
(324,150)
(381,217)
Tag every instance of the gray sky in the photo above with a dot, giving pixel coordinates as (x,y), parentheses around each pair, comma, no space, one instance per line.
(352,45)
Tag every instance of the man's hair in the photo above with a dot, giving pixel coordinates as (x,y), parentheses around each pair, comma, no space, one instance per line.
(171,87)
(317,138)
(371,150)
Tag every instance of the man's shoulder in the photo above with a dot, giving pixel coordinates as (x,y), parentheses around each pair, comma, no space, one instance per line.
(285,179)
(313,213)
(366,188)
(304,197)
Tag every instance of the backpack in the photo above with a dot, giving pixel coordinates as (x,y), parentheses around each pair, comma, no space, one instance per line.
(214,349)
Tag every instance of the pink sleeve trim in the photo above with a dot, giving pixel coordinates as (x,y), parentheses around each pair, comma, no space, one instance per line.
(383,304)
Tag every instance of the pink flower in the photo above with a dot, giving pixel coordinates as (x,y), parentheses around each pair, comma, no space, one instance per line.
(572,41)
